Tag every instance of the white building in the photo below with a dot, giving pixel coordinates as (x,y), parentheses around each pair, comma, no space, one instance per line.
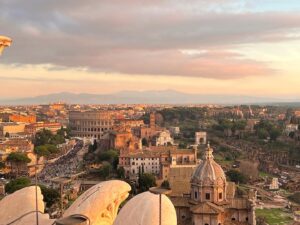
(200,138)
(291,128)
(142,162)
(164,138)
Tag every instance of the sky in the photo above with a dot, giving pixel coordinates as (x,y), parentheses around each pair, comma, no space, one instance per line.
(239,47)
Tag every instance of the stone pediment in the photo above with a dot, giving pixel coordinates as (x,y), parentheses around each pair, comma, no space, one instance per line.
(206,208)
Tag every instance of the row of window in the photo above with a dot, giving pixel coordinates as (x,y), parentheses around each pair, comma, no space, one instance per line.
(152,171)
(207,195)
(133,163)
(93,129)
(145,158)
(89,123)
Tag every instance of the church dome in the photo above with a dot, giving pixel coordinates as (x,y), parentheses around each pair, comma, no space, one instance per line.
(208,170)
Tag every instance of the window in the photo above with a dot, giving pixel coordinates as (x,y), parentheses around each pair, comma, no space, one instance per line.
(233,219)
(196,195)
(207,196)
(220,195)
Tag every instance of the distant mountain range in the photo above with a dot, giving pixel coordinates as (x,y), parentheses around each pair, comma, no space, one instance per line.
(145,97)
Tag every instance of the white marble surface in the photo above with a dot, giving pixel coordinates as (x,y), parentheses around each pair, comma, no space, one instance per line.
(143,209)
(101,202)
(21,202)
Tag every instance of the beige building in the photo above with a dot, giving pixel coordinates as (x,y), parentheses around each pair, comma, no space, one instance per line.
(212,200)
(90,124)
(22,146)
(157,160)
(11,128)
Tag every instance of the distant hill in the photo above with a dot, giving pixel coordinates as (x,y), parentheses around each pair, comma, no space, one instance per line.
(146,97)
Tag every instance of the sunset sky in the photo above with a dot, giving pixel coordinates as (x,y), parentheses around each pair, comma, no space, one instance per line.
(242,47)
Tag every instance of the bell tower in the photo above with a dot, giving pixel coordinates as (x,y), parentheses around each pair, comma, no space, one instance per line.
(152,121)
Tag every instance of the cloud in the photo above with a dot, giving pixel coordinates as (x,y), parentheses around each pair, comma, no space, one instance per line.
(142,37)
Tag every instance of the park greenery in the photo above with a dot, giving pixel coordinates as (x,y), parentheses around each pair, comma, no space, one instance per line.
(51,196)
(146,181)
(109,161)
(165,184)
(46,150)
(236,176)
(121,172)
(17,159)
(17,184)
(45,136)
(266,129)
(105,170)
(46,142)
(273,216)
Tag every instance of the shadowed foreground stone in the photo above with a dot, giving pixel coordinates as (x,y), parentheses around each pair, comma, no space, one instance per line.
(22,203)
(101,202)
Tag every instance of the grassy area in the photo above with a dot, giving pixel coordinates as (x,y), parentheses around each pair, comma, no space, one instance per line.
(222,161)
(265,175)
(275,216)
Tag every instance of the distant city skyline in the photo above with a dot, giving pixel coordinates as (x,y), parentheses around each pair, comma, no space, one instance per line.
(230,47)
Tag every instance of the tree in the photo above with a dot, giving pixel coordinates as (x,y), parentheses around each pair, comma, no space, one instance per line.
(17,184)
(146,181)
(91,149)
(2,165)
(56,140)
(95,145)
(182,145)
(236,176)
(240,125)
(41,151)
(262,133)
(18,159)
(144,142)
(295,197)
(51,196)
(52,148)
(121,172)
(105,170)
(110,156)
(7,135)
(64,132)
(274,133)
(43,137)
(165,184)
(45,150)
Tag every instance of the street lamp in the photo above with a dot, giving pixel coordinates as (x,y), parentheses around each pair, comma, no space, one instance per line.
(160,191)
(4,42)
